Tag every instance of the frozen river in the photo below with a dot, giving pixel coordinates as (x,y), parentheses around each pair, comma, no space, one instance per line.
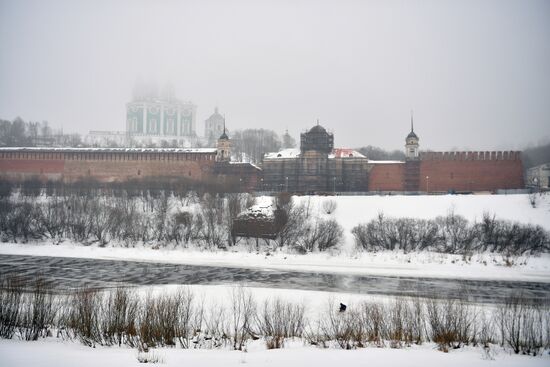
(70,273)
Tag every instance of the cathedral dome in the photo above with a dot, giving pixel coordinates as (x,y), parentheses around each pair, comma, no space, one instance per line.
(317,139)
(317,129)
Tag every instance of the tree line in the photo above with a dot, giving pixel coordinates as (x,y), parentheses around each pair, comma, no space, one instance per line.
(452,234)
(127,216)
(156,219)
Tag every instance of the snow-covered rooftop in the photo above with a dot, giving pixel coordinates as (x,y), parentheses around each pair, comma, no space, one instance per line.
(345,153)
(262,210)
(285,153)
(385,162)
(295,153)
(245,163)
(118,150)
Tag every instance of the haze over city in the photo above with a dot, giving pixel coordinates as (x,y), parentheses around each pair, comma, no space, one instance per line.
(475,73)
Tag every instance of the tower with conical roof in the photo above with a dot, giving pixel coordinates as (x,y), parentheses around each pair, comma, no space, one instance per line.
(411,143)
(223,147)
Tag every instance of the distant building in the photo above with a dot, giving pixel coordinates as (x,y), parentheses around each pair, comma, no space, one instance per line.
(539,176)
(319,167)
(214,125)
(151,118)
(316,167)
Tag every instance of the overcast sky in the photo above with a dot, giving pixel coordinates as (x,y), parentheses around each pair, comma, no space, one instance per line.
(476,73)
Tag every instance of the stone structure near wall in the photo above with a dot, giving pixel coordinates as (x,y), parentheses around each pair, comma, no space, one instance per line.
(316,167)
(319,167)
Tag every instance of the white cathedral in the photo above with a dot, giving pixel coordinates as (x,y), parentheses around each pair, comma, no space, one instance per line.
(152,117)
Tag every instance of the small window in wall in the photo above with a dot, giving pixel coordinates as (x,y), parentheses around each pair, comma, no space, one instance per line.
(189,173)
(452,175)
(139,172)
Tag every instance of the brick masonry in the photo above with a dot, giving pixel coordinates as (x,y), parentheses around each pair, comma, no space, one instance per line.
(106,166)
(459,171)
(387,177)
(471,171)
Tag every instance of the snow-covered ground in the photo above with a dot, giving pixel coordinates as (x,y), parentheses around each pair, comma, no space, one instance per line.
(353,210)
(54,352)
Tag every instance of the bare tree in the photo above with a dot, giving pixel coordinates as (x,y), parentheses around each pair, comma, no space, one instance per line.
(243,311)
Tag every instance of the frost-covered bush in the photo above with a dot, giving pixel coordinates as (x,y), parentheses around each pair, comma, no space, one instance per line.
(451,234)
(320,234)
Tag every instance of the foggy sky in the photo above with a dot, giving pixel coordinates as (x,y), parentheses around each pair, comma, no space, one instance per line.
(476,73)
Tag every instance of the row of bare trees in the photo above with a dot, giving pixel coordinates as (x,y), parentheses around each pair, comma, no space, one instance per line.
(124,317)
(157,220)
(452,234)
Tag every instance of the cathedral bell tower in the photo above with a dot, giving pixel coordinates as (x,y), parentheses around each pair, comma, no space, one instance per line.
(411,143)
(223,148)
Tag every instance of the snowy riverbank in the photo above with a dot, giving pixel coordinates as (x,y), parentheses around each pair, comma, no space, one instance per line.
(54,352)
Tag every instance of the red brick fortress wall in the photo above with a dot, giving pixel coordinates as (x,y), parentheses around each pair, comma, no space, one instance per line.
(22,169)
(387,177)
(470,171)
(104,165)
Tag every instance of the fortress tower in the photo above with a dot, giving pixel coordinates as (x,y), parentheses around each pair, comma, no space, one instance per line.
(411,143)
(223,148)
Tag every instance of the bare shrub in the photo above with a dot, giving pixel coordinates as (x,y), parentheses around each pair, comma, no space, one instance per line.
(38,312)
(320,235)
(451,323)
(329,206)
(54,218)
(451,234)
(405,324)
(372,319)
(11,292)
(242,315)
(279,320)
(189,319)
(235,204)
(217,329)
(181,227)
(340,326)
(118,323)
(82,316)
(213,234)
(521,326)
(158,320)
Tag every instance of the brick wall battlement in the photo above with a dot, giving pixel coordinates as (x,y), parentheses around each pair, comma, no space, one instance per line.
(108,154)
(472,156)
